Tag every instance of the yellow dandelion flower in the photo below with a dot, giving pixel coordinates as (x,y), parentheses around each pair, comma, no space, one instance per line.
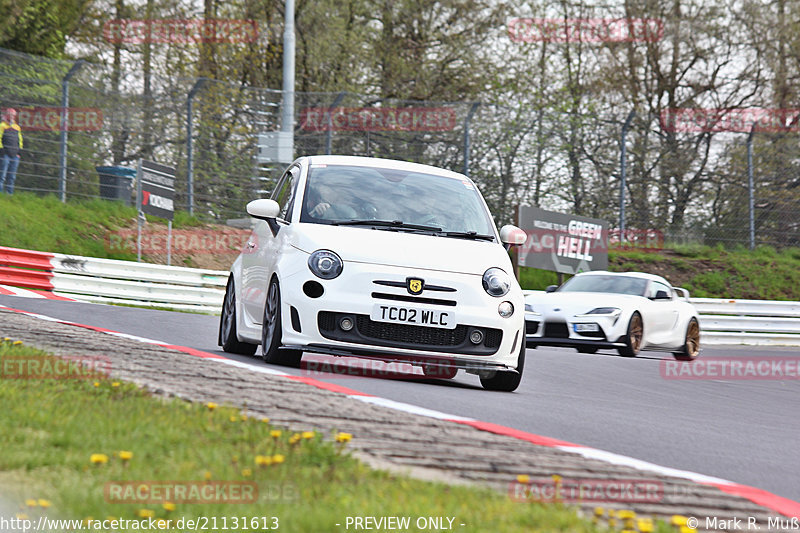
(96,383)
(523,478)
(244,417)
(31,502)
(679,520)
(168,506)
(687,529)
(246,472)
(22,516)
(211,406)
(6,339)
(277,459)
(207,475)
(262,460)
(98,458)
(599,511)
(125,456)
(16,343)
(265,420)
(646,525)
(626,513)
(294,439)
(44,503)
(145,513)
(115,383)
(347,437)
(275,433)
(308,434)
(233,419)
(235,459)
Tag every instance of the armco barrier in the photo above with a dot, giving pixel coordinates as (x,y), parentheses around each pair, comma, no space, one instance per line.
(722,321)
(751,322)
(110,281)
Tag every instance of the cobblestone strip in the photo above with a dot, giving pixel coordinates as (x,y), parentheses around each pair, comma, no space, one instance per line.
(421,446)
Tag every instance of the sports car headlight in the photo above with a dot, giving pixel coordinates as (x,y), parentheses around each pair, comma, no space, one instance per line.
(325,264)
(496,282)
(604,311)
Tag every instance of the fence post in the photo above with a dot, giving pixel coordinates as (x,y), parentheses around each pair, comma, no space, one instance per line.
(329,134)
(473,108)
(750,192)
(62,163)
(189,144)
(623,152)
(287,119)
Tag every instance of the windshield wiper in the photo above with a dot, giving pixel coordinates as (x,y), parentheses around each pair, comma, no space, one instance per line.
(468,235)
(386,224)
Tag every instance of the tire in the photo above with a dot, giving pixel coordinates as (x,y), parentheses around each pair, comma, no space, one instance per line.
(587,349)
(691,343)
(506,381)
(439,372)
(228,338)
(271,332)
(634,336)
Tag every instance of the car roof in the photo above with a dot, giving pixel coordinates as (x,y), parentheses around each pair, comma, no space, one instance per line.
(643,275)
(382,163)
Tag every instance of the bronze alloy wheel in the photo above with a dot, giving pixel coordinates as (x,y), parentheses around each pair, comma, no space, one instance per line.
(633,339)
(691,345)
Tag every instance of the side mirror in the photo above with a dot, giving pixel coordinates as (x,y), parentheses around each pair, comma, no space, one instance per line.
(512,235)
(551,288)
(661,295)
(264,209)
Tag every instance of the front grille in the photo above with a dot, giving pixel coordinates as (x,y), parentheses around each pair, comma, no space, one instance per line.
(368,331)
(410,334)
(413,299)
(558,330)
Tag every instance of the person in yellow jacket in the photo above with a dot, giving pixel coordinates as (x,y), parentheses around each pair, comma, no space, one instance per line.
(10,147)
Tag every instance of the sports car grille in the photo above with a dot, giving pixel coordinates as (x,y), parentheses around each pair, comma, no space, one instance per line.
(558,330)
(368,331)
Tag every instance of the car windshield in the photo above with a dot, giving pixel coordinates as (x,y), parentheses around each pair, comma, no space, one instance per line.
(613,284)
(343,194)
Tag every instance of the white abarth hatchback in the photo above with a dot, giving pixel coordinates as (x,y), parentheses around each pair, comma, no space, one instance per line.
(380,259)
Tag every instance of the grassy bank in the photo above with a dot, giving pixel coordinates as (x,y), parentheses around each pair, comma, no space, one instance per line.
(710,272)
(65,440)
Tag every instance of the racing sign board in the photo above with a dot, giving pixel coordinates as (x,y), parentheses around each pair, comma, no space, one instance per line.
(562,243)
(156,189)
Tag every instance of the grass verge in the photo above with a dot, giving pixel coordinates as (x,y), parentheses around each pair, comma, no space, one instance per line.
(65,440)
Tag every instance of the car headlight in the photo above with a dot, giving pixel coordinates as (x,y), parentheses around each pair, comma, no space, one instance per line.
(496,282)
(604,311)
(325,264)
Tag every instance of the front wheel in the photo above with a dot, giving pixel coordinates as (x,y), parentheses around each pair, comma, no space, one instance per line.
(633,338)
(228,337)
(506,381)
(691,344)
(271,332)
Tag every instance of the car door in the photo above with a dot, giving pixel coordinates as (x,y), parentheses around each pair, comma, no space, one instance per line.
(663,309)
(262,251)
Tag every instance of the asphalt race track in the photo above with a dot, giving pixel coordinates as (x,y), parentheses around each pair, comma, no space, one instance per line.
(746,431)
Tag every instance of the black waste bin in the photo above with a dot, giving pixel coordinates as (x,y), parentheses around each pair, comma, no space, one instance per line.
(116,183)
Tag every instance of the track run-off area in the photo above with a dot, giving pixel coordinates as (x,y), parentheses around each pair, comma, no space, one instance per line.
(742,430)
